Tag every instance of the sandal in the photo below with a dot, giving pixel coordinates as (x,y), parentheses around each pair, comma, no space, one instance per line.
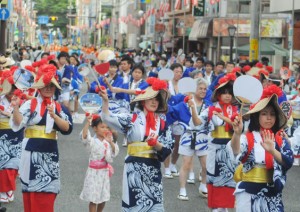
(203,194)
(190,181)
(175,174)
(182,197)
(168,176)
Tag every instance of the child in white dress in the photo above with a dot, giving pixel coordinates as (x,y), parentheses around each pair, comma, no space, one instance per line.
(96,188)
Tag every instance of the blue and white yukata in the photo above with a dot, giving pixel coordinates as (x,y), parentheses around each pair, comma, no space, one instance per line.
(195,137)
(39,167)
(10,150)
(257,197)
(220,169)
(142,178)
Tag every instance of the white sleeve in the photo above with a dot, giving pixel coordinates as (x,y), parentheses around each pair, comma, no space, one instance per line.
(25,112)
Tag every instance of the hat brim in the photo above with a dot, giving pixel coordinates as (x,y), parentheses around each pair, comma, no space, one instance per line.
(254,71)
(214,95)
(6,88)
(263,103)
(149,94)
(40,84)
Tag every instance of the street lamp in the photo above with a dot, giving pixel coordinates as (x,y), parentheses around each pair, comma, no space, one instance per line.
(231,32)
(70,8)
(123,39)
(161,34)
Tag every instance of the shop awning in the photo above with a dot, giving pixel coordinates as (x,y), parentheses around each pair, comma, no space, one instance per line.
(200,29)
(266,48)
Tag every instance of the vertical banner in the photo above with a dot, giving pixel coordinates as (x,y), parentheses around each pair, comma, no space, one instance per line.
(50,36)
(253,54)
(60,38)
(41,39)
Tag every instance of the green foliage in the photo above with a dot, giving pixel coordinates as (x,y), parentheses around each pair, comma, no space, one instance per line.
(55,8)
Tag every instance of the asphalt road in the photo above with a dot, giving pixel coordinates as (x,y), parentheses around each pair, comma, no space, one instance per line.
(74,161)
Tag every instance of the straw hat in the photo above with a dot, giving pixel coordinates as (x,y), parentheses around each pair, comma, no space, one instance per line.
(228,78)
(156,87)
(46,74)
(6,61)
(7,81)
(106,55)
(270,95)
(258,71)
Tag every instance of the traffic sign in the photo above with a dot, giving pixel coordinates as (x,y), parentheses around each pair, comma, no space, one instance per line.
(43,19)
(4,14)
(3,1)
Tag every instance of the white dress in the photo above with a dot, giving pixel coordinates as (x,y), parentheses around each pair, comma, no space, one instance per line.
(96,188)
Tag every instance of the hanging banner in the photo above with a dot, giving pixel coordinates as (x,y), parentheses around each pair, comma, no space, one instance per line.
(198,11)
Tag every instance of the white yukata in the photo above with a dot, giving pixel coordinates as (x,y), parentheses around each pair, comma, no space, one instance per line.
(96,188)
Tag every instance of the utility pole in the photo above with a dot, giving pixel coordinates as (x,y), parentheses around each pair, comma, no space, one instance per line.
(3,34)
(292,40)
(254,33)
(96,21)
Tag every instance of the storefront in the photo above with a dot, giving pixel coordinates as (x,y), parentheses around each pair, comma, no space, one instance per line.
(271,29)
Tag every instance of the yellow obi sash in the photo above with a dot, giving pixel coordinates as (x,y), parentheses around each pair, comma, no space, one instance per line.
(141,149)
(4,124)
(37,131)
(220,132)
(296,114)
(258,174)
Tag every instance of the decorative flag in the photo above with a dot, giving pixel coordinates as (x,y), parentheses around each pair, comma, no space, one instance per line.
(60,37)
(41,39)
(153,10)
(50,36)
(186,2)
(166,7)
(195,2)
(177,4)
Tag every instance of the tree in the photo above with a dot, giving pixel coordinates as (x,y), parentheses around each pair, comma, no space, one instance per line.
(58,8)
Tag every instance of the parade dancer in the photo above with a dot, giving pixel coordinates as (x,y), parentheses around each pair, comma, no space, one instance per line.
(265,156)
(10,141)
(142,178)
(194,140)
(177,129)
(42,118)
(102,148)
(220,169)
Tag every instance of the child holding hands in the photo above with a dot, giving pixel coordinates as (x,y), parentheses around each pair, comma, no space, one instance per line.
(96,188)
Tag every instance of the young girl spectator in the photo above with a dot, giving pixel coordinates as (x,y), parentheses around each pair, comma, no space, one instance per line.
(102,148)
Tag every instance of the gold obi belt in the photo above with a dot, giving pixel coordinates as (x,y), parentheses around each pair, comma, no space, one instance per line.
(141,149)
(220,132)
(258,175)
(37,131)
(296,114)
(4,124)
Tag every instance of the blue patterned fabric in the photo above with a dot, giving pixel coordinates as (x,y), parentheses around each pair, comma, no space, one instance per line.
(10,148)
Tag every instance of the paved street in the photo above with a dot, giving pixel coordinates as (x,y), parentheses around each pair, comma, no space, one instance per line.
(74,161)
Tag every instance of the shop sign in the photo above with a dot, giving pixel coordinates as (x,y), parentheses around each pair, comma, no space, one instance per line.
(269,27)
(198,11)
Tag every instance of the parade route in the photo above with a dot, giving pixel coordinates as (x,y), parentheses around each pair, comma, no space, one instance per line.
(74,161)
